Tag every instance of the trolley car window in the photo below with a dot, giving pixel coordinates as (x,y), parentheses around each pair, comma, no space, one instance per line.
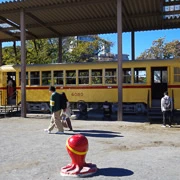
(110,76)
(139,75)
(34,76)
(164,76)
(127,75)
(46,77)
(176,74)
(97,76)
(71,77)
(157,76)
(58,78)
(26,78)
(83,77)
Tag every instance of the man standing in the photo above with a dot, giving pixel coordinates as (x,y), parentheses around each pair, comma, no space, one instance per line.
(166,108)
(55,107)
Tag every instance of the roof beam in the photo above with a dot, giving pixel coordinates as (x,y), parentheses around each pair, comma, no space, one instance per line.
(133,16)
(171,3)
(15,25)
(81,21)
(171,12)
(9,34)
(41,23)
(172,20)
(8,29)
(72,4)
(59,6)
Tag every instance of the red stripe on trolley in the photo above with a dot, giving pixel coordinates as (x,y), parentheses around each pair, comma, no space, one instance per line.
(3,88)
(173,86)
(136,86)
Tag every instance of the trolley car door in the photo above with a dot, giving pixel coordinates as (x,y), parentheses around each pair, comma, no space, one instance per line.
(159,81)
(11,88)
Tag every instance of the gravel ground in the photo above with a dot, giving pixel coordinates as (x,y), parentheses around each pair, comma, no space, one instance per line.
(124,150)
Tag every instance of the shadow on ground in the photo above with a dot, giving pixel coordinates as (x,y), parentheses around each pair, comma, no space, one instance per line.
(96,133)
(97,115)
(114,172)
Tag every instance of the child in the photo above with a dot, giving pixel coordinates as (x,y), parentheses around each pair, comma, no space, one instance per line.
(67,112)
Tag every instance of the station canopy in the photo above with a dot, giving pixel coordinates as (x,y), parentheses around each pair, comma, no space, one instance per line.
(58,18)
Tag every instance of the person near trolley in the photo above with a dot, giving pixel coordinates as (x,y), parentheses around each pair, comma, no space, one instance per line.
(67,112)
(10,89)
(56,108)
(166,108)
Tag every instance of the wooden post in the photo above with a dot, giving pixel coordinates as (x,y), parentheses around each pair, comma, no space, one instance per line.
(23,64)
(119,33)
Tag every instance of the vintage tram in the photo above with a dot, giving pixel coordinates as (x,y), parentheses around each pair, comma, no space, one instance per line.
(144,82)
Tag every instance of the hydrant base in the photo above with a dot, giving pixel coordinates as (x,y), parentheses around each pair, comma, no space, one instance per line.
(71,170)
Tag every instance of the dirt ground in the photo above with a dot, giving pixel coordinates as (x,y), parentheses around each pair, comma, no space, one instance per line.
(123,150)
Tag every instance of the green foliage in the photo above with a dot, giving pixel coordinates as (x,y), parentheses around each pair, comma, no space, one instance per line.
(9,56)
(44,51)
(41,51)
(160,50)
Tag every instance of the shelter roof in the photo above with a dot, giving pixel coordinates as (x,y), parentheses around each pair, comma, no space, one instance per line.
(54,18)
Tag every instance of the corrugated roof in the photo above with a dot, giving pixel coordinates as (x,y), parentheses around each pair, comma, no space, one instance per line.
(54,18)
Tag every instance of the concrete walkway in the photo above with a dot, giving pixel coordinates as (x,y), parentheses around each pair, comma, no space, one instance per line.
(125,150)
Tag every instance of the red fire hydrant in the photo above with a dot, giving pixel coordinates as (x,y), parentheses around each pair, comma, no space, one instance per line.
(77,147)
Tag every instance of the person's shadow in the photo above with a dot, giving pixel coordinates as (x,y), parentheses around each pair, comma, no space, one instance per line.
(96,133)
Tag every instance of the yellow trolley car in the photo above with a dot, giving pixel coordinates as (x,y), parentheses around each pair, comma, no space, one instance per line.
(144,82)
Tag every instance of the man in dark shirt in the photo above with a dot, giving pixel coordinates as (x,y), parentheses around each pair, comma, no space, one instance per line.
(55,107)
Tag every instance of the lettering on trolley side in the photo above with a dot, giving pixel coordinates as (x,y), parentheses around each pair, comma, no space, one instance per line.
(77,94)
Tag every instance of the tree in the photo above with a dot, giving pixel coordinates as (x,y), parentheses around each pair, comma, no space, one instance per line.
(44,51)
(11,55)
(41,51)
(160,50)
(83,51)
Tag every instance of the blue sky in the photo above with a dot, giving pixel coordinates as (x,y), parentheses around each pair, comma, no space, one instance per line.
(143,40)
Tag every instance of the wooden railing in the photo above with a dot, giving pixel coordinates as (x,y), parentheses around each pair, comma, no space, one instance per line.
(7,108)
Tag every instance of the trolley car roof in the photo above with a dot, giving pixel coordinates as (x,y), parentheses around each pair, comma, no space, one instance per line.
(79,64)
(55,18)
